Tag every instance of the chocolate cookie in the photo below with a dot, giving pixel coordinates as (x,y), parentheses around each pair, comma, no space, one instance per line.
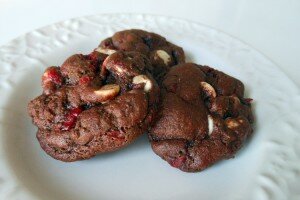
(203,118)
(161,53)
(94,103)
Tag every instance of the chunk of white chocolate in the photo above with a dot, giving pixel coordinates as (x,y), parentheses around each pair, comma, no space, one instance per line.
(232,123)
(143,79)
(108,91)
(163,55)
(208,89)
(210,124)
(105,51)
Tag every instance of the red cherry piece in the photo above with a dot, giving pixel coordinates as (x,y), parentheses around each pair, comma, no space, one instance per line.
(67,125)
(54,76)
(93,56)
(178,162)
(75,111)
(248,100)
(70,118)
(116,134)
(85,80)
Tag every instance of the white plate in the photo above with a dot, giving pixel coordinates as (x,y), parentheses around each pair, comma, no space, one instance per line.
(266,168)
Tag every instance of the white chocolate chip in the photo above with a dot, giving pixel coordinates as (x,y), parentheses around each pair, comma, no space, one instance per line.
(105,51)
(210,124)
(231,123)
(143,79)
(108,91)
(241,121)
(162,55)
(105,102)
(105,61)
(117,68)
(208,89)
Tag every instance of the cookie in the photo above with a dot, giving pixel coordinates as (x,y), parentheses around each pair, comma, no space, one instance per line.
(203,117)
(161,53)
(93,104)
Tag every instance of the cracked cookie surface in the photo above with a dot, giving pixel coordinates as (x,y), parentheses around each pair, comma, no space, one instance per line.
(94,103)
(203,117)
(162,54)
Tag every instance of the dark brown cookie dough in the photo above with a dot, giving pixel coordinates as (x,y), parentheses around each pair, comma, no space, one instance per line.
(203,117)
(94,103)
(161,53)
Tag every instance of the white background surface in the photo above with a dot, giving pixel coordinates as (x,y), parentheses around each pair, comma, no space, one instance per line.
(270,26)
